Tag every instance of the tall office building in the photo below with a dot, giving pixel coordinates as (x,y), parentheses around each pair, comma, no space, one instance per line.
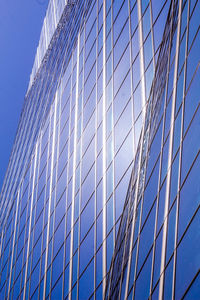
(104,85)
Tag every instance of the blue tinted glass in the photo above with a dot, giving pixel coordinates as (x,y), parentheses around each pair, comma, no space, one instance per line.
(188,257)
(86,283)
(168,281)
(144,280)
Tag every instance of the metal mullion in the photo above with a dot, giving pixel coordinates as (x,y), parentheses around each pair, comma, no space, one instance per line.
(104,258)
(152,34)
(68,158)
(75,157)
(170,155)
(50,194)
(159,176)
(181,151)
(131,73)
(30,219)
(56,176)
(36,186)
(74,168)
(95,167)
(141,53)
(112,133)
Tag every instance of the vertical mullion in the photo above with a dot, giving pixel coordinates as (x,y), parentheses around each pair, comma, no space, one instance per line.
(152,34)
(181,150)
(95,166)
(30,220)
(141,46)
(68,151)
(170,154)
(131,73)
(74,171)
(56,177)
(159,175)
(36,184)
(50,195)
(46,180)
(104,148)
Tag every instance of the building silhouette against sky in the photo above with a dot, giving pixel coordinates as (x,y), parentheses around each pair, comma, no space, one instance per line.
(101,195)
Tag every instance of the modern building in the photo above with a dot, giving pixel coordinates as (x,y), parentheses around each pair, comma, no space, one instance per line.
(112,106)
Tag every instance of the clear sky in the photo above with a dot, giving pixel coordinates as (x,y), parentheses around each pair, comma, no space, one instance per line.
(20,26)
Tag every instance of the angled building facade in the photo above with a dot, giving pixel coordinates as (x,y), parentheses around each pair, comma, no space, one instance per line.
(112,98)
(157,248)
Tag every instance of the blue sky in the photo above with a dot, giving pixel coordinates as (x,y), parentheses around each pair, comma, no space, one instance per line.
(20,25)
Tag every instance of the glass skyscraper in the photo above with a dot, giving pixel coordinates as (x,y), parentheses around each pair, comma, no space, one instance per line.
(112,106)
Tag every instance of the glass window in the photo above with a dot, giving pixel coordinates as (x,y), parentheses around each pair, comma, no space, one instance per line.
(146,20)
(90,40)
(89,108)
(174,179)
(194,290)
(56,292)
(122,97)
(148,50)
(161,206)
(110,249)
(120,20)
(168,281)
(57,266)
(150,192)
(171,232)
(121,70)
(99,226)
(86,250)
(192,99)
(193,140)
(59,236)
(86,283)
(88,159)
(124,155)
(188,257)
(144,280)
(189,197)
(110,217)
(99,265)
(86,222)
(157,258)
(121,44)
(120,192)
(122,128)
(146,238)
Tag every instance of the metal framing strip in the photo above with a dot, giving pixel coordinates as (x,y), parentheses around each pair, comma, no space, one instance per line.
(50,194)
(74,171)
(181,150)
(142,69)
(30,221)
(170,154)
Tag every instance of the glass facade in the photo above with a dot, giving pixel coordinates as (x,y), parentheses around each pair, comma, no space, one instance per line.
(158,239)
(112,96)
